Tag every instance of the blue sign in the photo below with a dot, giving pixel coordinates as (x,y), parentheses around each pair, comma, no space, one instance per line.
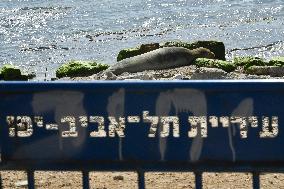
(186,122)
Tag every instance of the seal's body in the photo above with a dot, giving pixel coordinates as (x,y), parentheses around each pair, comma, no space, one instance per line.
(163,58)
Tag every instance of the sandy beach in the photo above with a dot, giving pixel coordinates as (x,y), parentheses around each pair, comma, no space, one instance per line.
(159,180)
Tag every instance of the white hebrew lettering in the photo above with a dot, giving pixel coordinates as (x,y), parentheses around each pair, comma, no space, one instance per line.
(242,121)
(214,121)
(194,122)
(101,126)
(133,119)
(72,126)
(269,132)
(225,121)
(166,120)
(11,125)
(154,120)
(84,121)
(24,126)
(253,121)
(51,126)
(116,127)
(39,121)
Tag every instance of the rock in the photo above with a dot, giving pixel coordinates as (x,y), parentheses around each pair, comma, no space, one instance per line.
(257,77)
(144,48)
(80,68)
(234,75)
(258,70)
(217,47)
(118,177)
(274,71)
(209,73)
(22,183)
(110,76)
(211,63)
(177,77)
(105,76)
(53,78)
(135,76)
(13,73)
(247,62)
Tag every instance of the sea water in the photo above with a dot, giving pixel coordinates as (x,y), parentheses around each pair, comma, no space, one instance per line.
(41,35)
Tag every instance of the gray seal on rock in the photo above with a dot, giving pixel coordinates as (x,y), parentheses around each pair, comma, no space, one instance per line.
(163,58)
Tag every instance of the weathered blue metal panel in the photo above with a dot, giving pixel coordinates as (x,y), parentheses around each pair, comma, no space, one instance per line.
(149,125)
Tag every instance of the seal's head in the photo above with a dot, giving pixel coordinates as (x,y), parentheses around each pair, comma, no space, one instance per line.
(204,53)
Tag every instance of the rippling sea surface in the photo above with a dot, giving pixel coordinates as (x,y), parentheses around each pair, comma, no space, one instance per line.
(40,35)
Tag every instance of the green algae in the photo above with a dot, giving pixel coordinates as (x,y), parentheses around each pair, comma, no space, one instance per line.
(213,63)
(249,61)
(277,61)
(13,73)
(80,69)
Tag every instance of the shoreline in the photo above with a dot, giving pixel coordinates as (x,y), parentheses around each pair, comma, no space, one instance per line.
(182,73)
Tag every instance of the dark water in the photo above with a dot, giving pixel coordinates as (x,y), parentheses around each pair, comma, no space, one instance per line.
(43,34)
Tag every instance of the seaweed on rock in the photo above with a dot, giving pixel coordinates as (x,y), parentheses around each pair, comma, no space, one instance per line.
(277,61)
(213,63)
(13,73)
(249,61)
(80,69)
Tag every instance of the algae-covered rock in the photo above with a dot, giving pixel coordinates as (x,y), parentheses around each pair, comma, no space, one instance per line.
(13,73)
(249,61)
(277,61)
(80,69)
(217,47)
(10,72)
(274,71)
(144,48)
(213,63)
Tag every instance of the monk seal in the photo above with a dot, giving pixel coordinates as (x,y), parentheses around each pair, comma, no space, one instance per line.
(163,58)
